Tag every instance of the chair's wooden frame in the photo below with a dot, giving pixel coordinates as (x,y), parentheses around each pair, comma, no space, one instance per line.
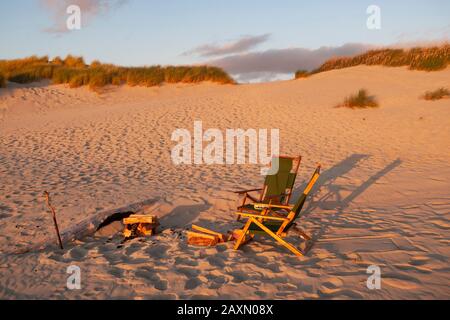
(274,212)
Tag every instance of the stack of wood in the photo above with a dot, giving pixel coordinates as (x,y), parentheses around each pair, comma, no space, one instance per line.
(205,237)
(138,225)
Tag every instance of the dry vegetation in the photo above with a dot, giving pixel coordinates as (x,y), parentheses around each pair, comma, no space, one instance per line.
(2,81)
(360,100)
(428,59)
(301,74)
(437,94)
(74,71)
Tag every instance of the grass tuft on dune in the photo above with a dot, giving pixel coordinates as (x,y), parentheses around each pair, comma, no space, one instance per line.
(2,81)
(75,72)
(437,94)
(359,101)
(301,74)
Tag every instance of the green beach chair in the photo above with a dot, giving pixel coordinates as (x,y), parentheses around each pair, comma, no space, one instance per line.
(274,220)
(277,188)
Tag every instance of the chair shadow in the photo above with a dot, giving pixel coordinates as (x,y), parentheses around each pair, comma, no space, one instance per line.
(328,179)
(335,189)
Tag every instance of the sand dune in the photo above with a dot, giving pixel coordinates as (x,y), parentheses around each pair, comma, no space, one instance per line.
(383,198)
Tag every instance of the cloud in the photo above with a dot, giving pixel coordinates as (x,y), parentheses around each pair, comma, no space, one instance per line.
(272,63)
(261,77)
(275,64)
(90,9)
(241,45)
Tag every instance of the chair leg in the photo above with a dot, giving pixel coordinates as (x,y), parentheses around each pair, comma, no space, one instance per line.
(277,238)
(242,237)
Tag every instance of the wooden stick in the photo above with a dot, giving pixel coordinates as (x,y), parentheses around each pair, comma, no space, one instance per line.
(47,199)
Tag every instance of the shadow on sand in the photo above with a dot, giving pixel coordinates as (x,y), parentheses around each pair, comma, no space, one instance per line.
(333,199)
(183,216)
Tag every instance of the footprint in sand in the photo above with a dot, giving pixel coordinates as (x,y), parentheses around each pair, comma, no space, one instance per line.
(419,260)
(78,253)
(333,283)
(188,272)
(186,261)
(150,275)
(217,261)
(134,247)
(440,223)
(116,272)
(157,252)
(409,267)
(239,276)
(192,283)
(332,287)
(399,284)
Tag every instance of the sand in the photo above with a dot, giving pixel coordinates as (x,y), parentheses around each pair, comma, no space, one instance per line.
(382,199)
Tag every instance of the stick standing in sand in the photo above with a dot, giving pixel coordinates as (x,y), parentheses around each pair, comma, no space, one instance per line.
(47,199)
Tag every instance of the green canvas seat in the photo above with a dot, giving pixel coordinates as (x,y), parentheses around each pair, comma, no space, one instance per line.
(277,188)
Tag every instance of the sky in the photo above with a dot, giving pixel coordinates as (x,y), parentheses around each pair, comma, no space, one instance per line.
(253,40)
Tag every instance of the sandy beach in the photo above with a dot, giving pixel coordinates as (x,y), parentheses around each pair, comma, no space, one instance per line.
(382,199)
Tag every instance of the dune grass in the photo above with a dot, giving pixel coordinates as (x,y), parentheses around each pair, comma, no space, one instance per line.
(427,59)
(2,81)
(76,73)
(359,101)
(437,94)
(301,74)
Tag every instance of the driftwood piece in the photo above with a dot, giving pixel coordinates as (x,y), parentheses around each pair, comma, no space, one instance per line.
(87,226)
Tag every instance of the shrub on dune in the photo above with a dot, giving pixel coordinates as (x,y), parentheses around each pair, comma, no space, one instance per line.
(74,72)
(428,59)
(97,81)
(360,100)
(301,74)
(95,64)
(74,62)
(26,70)
(116,81)
(217,75)
(2,81)
(78,80)
(195,74)
(57,61)
(437,94)
(64,75)
(31,74)
(147,77)
(18,65)
(175,74)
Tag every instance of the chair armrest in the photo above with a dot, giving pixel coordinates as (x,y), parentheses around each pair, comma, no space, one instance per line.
(252,215)
(277,195)
(268,205)
(245,191)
